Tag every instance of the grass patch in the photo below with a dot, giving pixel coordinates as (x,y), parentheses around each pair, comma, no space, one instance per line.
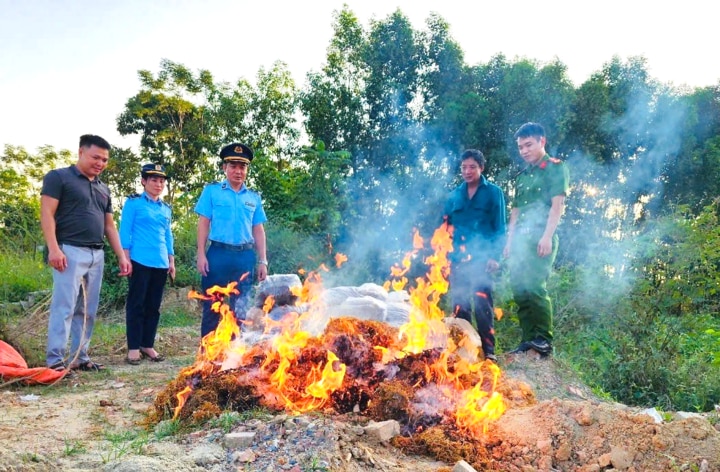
(31,457)
(107,337)
(123,443)
(226,421)
(22,273)
(167,428)
(177,318)
(73,447)
(314,464)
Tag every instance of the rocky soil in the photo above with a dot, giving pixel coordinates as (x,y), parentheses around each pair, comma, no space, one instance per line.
(94,421)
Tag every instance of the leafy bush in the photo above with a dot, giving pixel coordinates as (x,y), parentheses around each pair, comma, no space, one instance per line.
(185,233)
(289,251)
(654,345)
(114,288)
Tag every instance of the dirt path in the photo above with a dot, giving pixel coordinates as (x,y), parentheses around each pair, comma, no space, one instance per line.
(91,423)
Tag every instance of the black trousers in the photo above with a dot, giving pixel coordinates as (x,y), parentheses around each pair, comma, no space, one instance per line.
(142,307)
(471,294)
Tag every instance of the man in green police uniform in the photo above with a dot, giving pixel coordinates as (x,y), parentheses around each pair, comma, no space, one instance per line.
(532,245)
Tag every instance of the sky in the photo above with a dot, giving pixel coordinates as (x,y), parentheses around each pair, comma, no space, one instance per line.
(67,67)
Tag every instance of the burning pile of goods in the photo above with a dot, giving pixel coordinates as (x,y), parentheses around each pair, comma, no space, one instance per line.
(298,354)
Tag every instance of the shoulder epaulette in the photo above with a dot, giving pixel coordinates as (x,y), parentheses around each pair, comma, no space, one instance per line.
(554,160)
(134,195)
(165,204)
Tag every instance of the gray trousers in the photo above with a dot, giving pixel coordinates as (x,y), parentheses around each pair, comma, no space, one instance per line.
(75,300)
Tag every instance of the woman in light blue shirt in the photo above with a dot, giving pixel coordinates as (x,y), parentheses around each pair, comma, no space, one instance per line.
(147,240)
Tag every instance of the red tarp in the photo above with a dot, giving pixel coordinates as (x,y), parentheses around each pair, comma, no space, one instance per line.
(14,368)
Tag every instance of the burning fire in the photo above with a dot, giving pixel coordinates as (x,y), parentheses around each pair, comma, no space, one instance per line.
(293,370)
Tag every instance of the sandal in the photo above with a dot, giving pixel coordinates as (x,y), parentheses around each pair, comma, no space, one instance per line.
(58,366)
(89,366)
(157,358)
(131,361)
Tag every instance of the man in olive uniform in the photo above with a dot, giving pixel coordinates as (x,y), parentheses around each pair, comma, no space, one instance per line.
(532,245)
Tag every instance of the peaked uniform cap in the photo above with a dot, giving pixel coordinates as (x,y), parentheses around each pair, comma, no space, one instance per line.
(236,152)
(153,170)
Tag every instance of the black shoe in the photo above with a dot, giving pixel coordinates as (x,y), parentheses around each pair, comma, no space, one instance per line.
(541,345)
(522,347)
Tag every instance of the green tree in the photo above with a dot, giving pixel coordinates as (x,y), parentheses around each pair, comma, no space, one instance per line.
(454,115)
(391,55)
(171,118)
(693,175)
(521,91)
(309,196)
(122,174)
(333,102)
(261,116)
(21,175)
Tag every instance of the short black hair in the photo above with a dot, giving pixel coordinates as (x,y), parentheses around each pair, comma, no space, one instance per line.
(475,155)
(528,130)
(87,140)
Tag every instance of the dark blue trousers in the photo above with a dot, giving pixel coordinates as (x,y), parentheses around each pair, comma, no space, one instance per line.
(142,308)
(226,266)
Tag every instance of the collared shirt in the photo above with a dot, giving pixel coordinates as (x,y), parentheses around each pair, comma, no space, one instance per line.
(535,188)
(83,203)
(478,222)
(232,214)
(145,231)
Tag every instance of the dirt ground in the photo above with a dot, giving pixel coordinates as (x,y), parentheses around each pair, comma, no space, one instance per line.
(91,422)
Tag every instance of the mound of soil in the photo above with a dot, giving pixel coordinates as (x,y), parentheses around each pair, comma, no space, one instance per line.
(92,422)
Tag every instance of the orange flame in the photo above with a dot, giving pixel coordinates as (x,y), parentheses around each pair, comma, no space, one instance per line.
(425,328)
(269,303)
(479,407)
(291,375)
(182,397)
(330,380)
(340,259)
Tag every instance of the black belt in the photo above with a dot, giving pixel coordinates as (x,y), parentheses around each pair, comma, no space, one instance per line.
(234,247)
(89,246)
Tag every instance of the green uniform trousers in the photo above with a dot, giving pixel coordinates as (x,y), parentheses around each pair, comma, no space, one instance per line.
(528,280)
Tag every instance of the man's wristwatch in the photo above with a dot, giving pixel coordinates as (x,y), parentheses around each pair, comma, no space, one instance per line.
(263,262)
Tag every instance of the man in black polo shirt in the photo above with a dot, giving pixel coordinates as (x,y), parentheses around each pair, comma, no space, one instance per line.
(75,215)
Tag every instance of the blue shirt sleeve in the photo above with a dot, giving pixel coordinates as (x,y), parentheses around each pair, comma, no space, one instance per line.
(169,238)
(127,218)
(204,204)
(259,216)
